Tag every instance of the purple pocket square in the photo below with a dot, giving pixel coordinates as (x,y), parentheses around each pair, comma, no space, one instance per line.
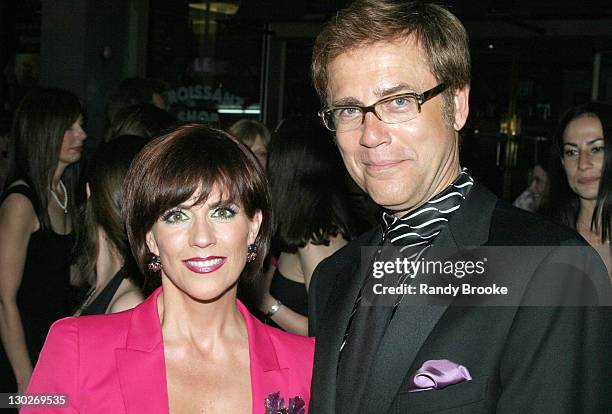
(438,374)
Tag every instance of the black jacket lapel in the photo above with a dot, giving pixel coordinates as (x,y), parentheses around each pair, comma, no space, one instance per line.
(413,322)
(333,323)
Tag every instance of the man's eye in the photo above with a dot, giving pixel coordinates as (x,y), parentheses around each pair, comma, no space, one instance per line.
(399,103)
(347,112)
(598,149)
(224,213)
(174,216)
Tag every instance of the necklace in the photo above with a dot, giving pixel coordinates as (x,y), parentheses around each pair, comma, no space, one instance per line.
(86,302)
(63,205)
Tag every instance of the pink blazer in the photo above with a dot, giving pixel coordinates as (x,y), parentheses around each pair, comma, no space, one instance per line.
(115,363)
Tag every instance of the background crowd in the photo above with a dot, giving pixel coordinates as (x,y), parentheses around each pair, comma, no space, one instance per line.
(63,246)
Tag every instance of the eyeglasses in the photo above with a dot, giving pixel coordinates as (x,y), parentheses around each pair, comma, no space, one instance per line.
(390,110)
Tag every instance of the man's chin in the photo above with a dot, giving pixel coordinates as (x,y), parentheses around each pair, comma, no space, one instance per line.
(398,204)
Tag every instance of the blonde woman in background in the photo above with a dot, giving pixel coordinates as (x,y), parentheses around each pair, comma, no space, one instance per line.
(254,135)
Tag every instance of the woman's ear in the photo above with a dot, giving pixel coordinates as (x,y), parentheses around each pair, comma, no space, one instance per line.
(254,225)
(87,190)
(151,243)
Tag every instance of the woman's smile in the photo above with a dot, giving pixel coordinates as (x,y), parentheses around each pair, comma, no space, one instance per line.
(204,264)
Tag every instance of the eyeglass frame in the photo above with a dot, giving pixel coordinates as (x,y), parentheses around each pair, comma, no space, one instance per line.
(420,99)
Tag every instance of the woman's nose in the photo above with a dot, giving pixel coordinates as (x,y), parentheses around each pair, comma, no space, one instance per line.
(81,133)
(202,234)
(584,160)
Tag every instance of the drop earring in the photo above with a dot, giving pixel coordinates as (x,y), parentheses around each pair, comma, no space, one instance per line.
(251,253)
(154,263)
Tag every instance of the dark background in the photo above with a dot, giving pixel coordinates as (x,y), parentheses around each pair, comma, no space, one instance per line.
(221,61)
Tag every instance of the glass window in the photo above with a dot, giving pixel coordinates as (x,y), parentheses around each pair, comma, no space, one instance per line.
(210,61)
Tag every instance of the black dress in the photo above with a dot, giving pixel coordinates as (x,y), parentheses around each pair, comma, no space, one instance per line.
(291,294)
(99,305)
(43,296)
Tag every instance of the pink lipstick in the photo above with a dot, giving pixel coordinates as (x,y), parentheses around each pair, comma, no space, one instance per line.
(207,264)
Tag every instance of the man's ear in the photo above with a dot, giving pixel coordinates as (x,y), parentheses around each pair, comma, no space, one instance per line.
(462,107)
(151,243)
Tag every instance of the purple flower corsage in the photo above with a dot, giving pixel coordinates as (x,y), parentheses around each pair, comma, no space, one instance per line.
(275,404)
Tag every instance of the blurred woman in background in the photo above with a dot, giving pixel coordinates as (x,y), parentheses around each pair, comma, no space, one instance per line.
(37,213)
(143,120)
(104,260)
(536,193)
(254,135)
(312,216)
(581,192)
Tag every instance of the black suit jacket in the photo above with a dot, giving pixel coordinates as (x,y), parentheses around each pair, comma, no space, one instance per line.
(522,359)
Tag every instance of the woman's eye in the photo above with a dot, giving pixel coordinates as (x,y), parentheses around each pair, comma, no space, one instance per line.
(570,153)
(224,213)
(174,216)
(597,149)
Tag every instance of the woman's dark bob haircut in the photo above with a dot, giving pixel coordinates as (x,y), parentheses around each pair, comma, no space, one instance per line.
(188,160)
(309,196)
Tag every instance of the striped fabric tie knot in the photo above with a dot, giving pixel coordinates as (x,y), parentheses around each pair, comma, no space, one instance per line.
(421,226)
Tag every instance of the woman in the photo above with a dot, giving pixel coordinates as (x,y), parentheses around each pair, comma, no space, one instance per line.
(36,219)
(536,193)
(143,120)
(583,196)
(105,262)
(254,135)
(311,215)
(197,214)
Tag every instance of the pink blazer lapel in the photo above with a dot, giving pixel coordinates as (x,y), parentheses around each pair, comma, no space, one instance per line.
(267,375)
(142,371)
(141,368)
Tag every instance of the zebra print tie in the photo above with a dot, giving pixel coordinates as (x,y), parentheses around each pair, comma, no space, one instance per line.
(413,233)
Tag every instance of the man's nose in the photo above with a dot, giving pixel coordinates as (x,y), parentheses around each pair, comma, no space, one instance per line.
(374,131)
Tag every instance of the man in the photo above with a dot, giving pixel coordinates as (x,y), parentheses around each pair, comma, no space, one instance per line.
(394,77)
